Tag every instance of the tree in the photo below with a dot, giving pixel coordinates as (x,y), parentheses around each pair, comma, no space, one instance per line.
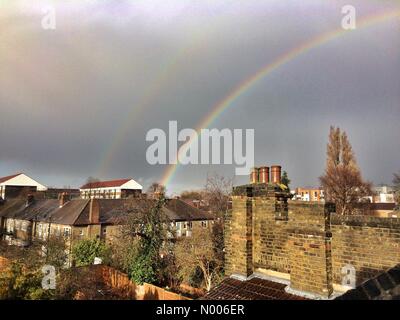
(84,251)
(342,180)
(92,180)
(198,251)
(55,251)
(156,190)
(149,226)
(192,195)
(396,183)
(217,192)
(23,278)
(21,283)
(285,180)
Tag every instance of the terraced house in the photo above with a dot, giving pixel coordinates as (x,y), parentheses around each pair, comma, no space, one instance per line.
(25,220)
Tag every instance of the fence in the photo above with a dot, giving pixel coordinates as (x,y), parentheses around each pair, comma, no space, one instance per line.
(4,263)
(119,281)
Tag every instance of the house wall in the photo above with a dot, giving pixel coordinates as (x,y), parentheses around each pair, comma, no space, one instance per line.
(310,247)
(17,232)
(109,193)
(370,244)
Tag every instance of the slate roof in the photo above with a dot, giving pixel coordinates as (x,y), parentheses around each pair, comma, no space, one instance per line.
(39,210)
(253,289)
(179,210)
(76,211)
(105,184)
(70,212)
(385,286)
(113,211)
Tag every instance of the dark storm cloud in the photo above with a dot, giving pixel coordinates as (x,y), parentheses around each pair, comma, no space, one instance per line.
(65,94)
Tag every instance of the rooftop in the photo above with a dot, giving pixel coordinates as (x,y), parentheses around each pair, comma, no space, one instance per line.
(253,289)
(105,184)
(76,211)
(385,286)
(4,179)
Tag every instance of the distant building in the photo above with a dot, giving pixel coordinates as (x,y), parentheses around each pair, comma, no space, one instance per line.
(17,185)
(383,194)
(113,189)
(376,209)
(309,194)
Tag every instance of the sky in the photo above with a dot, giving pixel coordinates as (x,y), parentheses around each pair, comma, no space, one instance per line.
(77,101)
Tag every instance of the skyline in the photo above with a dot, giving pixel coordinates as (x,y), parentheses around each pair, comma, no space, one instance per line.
(89,94)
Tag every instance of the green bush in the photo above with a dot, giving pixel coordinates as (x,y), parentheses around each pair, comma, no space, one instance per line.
(85,251)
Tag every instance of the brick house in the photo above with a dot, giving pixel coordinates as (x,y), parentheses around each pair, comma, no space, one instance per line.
(275,247)
(23,221)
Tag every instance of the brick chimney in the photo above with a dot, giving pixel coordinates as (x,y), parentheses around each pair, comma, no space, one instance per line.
(30,199)
(94,211)
(63,198)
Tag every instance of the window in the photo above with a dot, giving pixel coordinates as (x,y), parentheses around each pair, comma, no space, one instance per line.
(81,233)
(204,224)
(104,231)
(67,232)
(24,226)
(10,226)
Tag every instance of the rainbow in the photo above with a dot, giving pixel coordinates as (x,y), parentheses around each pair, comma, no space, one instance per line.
(249,82)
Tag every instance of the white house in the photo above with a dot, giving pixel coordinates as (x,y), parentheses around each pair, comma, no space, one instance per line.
(12,186)
(113,189)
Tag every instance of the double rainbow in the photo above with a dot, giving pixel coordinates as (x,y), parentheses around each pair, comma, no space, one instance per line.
(249,82)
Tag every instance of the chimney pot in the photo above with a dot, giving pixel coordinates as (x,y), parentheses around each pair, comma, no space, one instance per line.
(263,176)
(254,175)
(276,174)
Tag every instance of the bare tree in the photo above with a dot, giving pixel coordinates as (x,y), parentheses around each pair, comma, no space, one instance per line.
(217,193)
(156,190)
(342,180)
(92,180)
(199,251)
(396,183)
